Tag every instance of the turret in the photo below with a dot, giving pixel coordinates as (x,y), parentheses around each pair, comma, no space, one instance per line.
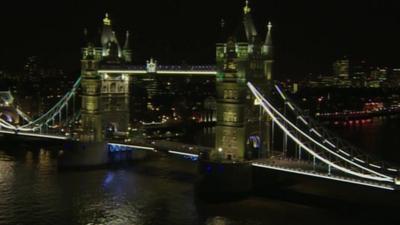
(126,51)
(230,56)
(268,53)
(267,49)
(108,36)
(106,33)
(247,32)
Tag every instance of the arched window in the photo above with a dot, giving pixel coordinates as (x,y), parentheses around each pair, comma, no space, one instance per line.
(113,87)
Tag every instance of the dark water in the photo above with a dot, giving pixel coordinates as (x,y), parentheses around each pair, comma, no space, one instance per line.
(380,138)
(160,191)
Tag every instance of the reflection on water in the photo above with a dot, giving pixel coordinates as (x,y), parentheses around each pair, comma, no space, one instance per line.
(158,191)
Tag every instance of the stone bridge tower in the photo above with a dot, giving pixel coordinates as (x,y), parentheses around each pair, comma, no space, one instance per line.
(242,130)
(105,97)
(90,91)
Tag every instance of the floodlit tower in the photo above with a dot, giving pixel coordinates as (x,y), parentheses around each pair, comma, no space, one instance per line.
(91,83)
(231,94)
(241,59)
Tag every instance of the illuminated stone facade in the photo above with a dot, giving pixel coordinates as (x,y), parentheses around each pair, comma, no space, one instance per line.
(105,97)
(91,114)
(243,58)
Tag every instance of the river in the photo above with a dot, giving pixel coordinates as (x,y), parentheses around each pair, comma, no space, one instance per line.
(160,191)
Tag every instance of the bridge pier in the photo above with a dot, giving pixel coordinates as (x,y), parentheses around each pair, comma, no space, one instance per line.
(90,155)
(224,179)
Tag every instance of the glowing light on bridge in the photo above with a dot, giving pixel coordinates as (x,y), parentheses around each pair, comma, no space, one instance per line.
(280,92)
(35,135)
(339,150)
(167,72)
(183,153)
(302,120)
(267,106)
(133,146)
(335,178)
(290,106)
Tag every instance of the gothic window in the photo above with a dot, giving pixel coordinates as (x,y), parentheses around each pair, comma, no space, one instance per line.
(113,87)
(90,89)
(252,65)
(89,65)
(230,117)
(230,94)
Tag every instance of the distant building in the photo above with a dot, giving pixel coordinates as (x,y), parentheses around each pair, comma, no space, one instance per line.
(359,74)
(395,77)
(341,68)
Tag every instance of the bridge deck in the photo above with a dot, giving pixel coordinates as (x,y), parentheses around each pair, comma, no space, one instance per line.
(35,135)
(170,147)
(308,169)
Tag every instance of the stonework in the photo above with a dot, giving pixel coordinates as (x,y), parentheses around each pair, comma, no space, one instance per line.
(243,58)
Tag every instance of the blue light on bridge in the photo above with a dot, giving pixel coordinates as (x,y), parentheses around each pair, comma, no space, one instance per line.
(255,141)
(193,158)
(118,148)
(190,156)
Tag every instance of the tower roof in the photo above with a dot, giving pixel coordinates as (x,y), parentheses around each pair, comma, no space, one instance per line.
(246,8)
(268,38)
(246,30)
(222,32)
(126,45)
(267,48)
(106,20)
(107,33)
(231,55)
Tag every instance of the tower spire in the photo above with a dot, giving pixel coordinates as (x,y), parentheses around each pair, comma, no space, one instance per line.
(106,20)
(246,8)
(126,45)
(268,39)
(126,51)
(231,55)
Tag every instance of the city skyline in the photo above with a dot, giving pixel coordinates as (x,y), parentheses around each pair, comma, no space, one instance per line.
(304,45)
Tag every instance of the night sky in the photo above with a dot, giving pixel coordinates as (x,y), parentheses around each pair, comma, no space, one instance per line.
(308,35)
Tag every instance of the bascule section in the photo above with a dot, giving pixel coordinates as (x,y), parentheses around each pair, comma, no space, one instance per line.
(242,58)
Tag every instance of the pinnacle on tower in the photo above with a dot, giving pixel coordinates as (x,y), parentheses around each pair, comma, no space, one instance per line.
(249,32)
(126,45)
(246,8)
(231,54)
(106,20)
(268,39)
(222,23)
(267,48)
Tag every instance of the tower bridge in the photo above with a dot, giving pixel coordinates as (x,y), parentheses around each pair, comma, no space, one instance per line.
(250,109)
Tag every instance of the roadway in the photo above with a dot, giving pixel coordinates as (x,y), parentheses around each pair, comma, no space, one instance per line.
(305,168)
